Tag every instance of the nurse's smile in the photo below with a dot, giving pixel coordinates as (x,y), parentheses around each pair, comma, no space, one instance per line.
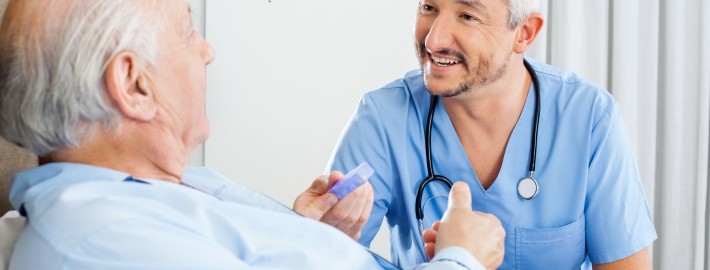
(444,63)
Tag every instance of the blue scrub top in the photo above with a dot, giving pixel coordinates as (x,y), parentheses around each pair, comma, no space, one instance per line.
(591,205)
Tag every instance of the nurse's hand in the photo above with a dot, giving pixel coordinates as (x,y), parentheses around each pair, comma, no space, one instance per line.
(480,233)
(347,215)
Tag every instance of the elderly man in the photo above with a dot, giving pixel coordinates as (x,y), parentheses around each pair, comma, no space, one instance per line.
(110,95)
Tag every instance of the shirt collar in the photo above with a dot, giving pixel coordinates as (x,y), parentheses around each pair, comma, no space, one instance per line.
(45,176)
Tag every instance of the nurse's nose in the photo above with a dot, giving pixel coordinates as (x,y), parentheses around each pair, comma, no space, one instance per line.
(440,35)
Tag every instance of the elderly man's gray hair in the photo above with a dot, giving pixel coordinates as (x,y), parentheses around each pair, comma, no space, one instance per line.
(53,59)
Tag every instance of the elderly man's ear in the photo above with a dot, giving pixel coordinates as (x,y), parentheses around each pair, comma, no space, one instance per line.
(129,87)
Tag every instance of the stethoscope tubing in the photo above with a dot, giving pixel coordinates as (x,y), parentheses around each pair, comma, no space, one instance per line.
(431,176)
(429,163)
(536,122)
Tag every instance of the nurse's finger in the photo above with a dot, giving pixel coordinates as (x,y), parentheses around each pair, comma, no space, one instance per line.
(333,178)
(319,186)
(316,208)
(339,213)
(324,182)
(315,201)
(350,214)
(365,208)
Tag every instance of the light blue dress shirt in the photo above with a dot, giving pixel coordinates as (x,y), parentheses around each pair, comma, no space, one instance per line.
(591,205)
(85,217)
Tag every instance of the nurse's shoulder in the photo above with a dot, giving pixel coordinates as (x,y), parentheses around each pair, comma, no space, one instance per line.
(567,92)
(403,95)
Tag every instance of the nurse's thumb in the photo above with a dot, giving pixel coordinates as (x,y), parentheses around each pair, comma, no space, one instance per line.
(460,196)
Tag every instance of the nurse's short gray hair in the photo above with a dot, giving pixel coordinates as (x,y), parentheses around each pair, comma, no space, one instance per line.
(53,56)
(519,10)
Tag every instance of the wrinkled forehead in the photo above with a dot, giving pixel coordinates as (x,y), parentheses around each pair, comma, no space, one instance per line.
(177,13)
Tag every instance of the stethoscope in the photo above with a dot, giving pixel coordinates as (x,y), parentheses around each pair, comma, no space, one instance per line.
(528,187)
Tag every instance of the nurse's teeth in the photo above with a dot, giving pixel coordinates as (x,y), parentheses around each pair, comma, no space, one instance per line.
(440,61)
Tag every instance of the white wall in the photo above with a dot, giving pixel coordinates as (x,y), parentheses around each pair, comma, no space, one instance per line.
(287,76)
(197,158)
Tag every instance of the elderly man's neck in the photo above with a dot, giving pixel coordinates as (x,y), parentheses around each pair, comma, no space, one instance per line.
(142,158)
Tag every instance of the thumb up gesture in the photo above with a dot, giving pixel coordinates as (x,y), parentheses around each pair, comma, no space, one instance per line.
(480,233)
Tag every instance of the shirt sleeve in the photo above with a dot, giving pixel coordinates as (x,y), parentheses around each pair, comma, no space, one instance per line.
(364,139)
(618,221)
(452,258)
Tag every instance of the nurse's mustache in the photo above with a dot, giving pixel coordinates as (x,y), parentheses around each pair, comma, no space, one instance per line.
(444,52)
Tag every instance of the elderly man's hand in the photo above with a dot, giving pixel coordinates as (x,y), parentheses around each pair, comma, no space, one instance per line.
(347,215)
(480,233)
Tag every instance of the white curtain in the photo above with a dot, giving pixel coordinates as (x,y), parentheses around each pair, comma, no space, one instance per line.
(654,57)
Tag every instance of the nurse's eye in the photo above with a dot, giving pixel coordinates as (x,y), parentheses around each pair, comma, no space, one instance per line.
(426,9)
(468,17)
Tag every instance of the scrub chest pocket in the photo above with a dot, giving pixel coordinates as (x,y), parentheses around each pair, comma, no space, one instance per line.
(551,248)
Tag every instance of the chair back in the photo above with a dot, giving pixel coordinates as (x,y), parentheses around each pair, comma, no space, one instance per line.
(12,160)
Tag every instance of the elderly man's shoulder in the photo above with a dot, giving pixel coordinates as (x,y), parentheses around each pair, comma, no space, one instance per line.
(69,202)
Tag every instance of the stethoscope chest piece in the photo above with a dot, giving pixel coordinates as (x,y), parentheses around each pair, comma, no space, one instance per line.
(528,188)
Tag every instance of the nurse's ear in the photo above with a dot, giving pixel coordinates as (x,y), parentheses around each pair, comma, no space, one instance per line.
(527,32)
(129,87)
